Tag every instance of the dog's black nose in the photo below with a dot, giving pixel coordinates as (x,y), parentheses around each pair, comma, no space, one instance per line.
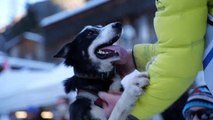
(116,25)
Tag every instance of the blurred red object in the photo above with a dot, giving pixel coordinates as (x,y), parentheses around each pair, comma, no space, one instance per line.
(6,65)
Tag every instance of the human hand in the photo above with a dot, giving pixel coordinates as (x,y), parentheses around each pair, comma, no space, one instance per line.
(110,99)
(125,64)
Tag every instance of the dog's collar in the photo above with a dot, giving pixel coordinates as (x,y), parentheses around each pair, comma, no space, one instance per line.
(93,76)
(94,98)
(87,76)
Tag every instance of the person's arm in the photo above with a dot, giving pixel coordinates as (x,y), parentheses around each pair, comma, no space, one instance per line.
(210,7)
(180,26)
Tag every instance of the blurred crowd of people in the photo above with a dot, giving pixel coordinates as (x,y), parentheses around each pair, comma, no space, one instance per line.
(195,104)
(58,111)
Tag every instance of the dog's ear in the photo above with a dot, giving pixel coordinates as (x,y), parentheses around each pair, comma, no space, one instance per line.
(63,51)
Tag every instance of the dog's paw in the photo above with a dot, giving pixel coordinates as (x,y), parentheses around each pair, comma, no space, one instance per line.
(136,78)
(134,91)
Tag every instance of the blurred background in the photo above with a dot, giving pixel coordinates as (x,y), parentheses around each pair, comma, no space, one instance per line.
(32,31)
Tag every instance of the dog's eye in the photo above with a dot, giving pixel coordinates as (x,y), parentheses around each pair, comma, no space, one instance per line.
(92,32)
(99,26)
(89,33)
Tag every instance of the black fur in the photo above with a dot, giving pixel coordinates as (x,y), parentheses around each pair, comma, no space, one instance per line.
(94,85)
(81,108)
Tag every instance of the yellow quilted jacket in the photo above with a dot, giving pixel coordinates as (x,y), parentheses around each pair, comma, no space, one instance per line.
(180,26)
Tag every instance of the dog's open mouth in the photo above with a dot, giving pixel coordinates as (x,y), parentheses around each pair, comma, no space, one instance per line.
(107,50)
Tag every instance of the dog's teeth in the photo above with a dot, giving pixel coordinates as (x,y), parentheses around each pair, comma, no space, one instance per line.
(99,52)
(102,52)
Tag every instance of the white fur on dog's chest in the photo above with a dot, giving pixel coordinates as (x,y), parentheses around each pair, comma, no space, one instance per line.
(98,113)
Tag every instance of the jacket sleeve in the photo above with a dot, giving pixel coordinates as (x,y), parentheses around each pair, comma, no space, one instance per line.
(143,53)
(210,7)
(180,26)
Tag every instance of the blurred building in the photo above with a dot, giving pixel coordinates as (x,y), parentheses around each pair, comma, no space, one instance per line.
(22,36)
(136,16)
(48,24)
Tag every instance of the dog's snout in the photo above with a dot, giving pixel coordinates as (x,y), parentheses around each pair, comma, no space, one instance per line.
(117,25)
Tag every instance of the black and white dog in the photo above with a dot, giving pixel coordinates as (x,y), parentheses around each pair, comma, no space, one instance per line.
(91,54)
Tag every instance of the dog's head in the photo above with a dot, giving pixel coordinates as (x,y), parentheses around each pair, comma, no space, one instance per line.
(92,50)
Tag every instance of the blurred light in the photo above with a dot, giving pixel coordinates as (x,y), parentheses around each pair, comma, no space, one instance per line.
(47,115)
(21,114)
(69,4)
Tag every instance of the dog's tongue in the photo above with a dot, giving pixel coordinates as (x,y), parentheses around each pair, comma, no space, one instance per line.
(114,48)
(121,52)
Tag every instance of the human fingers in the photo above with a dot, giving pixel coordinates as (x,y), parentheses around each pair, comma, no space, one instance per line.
(108,97)
(110,101)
